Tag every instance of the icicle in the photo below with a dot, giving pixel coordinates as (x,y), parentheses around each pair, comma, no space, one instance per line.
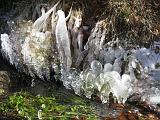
(41,23)
(67,18)
(63,41)
(54,19)
(103,39)
(76,34)
(43,11)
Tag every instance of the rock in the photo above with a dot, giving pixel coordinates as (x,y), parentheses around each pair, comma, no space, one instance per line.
(4,83)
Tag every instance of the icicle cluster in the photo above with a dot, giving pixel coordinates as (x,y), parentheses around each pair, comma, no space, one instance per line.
(105,65)
(104,80)
(108,67)
(30,46)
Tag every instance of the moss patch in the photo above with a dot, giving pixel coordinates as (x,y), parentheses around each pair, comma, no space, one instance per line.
(39,107)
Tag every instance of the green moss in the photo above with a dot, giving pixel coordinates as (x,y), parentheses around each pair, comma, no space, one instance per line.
(33,107)
(1,91)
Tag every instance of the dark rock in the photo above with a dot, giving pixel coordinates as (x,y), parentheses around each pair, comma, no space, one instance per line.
(4,82)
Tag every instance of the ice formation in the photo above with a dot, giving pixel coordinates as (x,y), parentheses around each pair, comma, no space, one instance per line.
(7,50)
(150,61)
(63,42)
(122,80)
(32,50)
(105,65)
(41,24)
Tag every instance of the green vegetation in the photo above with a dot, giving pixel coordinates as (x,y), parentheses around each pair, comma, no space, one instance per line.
(32,107)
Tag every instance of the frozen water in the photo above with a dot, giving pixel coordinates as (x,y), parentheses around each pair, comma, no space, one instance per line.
(104,67)
(96,67)
(42,22)
(63,41)
(7,49)
(107,67)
